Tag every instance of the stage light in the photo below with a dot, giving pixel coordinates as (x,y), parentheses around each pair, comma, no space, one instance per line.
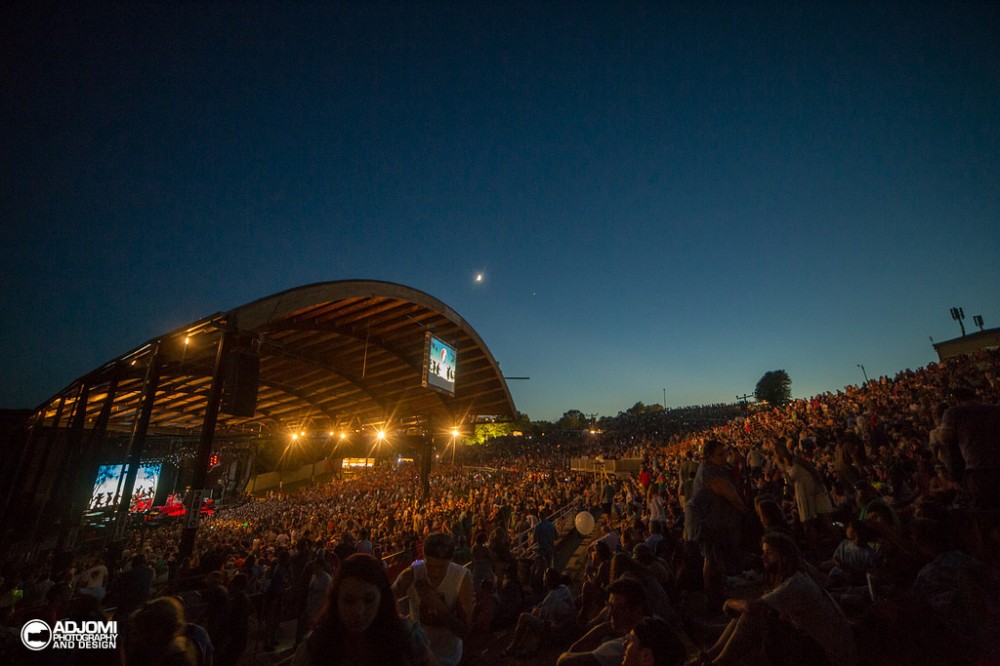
(343,435)
(295,435)
(187,340)
(380,435)
(454,432)
(331,434)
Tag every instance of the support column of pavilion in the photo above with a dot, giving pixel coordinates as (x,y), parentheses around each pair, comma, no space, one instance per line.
(9,518)
(426,461)
(188,534)
(137,445)
(84,469)
(56,493)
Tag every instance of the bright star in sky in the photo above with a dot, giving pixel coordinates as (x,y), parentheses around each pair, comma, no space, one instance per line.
(479,277)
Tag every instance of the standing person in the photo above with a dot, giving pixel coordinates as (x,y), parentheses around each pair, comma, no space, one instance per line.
(236,626)
(482,562)
(755,460)
(93,581)
(607,498)
(645,480)
(971,431)
(844,459)
(597,577)
(812,499)
(274,595)
(134,585)
(364,544)
(315,596)
(360,625)
(685,478)
(440,597)
(657,508)
(712,519)
(545,534)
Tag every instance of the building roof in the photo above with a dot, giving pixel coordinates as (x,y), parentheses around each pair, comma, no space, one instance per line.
(332,355)
(967,344)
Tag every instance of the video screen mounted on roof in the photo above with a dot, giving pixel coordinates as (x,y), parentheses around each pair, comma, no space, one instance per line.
(440,362)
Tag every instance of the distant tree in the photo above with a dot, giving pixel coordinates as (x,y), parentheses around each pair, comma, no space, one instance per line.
(775,388)
(541,427)
(573,419)
(522,423)
(486,431)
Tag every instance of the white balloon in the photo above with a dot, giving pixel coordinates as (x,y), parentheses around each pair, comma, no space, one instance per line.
(584,523)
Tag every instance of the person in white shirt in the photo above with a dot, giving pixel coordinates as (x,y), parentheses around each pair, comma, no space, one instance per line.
(439,596)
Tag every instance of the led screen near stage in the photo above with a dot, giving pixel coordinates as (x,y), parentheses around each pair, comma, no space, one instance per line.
(440,361)
(106,485)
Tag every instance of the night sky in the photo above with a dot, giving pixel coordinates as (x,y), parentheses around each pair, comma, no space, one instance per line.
(657,195)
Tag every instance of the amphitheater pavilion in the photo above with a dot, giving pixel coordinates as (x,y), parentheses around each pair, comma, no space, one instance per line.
(323,362)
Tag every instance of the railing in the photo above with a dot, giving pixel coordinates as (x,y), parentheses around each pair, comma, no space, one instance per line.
(395,563)
(522,542)
(613,467)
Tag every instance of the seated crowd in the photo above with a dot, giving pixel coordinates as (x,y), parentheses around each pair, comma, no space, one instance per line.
(855,527)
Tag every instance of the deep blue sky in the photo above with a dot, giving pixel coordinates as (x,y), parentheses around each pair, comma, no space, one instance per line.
(659,197)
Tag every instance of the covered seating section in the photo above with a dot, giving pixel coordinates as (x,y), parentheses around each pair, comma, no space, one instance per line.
(328,357)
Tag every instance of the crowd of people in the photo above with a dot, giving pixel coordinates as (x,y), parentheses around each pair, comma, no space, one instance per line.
(855,526)
(866,518)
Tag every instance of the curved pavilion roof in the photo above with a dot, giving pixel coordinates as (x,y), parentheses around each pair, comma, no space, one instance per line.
(332,355)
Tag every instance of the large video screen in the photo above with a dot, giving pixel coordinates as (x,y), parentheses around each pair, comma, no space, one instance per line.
(106,485)
(439,365)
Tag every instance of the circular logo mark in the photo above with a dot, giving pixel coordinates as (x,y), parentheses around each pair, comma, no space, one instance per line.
(36,634)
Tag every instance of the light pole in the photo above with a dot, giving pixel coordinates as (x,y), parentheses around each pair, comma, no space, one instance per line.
(664,399)
(454,444)
(958,315)
(863,372)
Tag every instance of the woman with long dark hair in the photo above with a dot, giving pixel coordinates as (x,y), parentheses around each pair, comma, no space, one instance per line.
(360,624)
